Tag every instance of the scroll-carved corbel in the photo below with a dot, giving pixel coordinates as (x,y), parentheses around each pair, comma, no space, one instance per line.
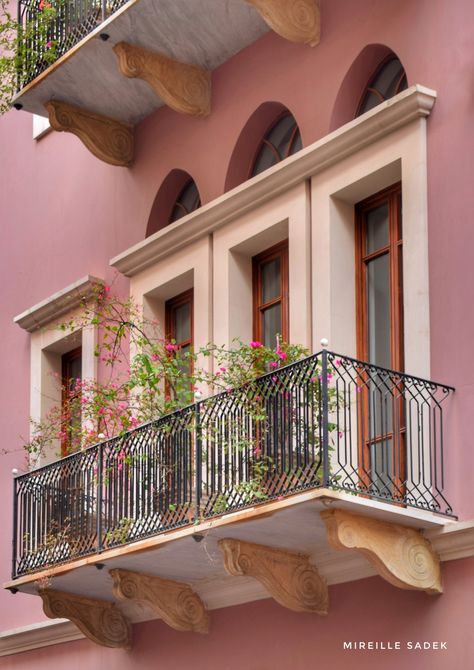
(109,140)
(289,578)
(400,555)
(183,87)
(99,620)
(295,20)
(176,603)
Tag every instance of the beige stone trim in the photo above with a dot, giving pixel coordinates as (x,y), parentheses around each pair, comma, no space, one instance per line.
(414,103)
(401,555)
(59,303)
(100,621)
(109,140)
(37,635)
(176,603)
(295,20)
(183,87)
(288,577)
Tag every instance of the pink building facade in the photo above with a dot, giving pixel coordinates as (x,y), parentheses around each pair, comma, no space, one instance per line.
(69,215)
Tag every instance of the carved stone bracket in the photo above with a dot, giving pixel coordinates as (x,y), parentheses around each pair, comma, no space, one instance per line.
(400,555)
(107,139)
(295,20)
(183,87)
(176,603)
(100,621)
(289,578)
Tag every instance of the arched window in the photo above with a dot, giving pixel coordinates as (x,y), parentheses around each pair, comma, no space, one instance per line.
(177,196)
(187,201)
(389,79)
(283,139)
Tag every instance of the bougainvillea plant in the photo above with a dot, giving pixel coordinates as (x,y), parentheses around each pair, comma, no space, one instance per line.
(143,375)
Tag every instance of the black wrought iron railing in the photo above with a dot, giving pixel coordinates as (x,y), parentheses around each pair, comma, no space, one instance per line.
(325,421)
(50,28)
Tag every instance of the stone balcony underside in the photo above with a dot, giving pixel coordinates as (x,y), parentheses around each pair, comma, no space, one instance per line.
(202,33)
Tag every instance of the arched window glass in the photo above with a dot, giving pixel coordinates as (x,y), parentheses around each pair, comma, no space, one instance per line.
(187,201)
(282,140)
(389,80)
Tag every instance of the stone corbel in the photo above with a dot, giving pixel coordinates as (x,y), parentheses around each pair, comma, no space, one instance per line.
(295,20)
(289,578)
(100,621)
(400,555)
(183,87)
(109,140)
(176,603)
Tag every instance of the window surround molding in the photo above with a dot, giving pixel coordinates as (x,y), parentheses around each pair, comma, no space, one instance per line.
(414,103)
(48,343)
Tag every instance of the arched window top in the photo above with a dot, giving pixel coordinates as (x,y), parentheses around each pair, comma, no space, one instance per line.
(187,201)
(389,79)
(281,140)
(177,196)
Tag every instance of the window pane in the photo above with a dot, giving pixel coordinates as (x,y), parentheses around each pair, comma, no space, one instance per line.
(377,228)
(187,201)
(280,135)
(271,284)
(378,310)
(271,325)
(388,78)
(182,323)
(75,370)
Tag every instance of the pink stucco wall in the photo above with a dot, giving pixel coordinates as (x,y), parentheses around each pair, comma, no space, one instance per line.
(64,214)
(265,636)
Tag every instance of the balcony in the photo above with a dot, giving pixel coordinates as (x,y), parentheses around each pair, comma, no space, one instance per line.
(327,422)
(98,67)
(249,493)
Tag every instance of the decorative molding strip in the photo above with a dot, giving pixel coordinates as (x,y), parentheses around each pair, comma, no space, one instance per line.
(454,541)
(414,103)
(109,140)
(99,620)
(401,555)
(289,578)
(63,301)
(183,87)
(37,635)
(296,20)
(176,603)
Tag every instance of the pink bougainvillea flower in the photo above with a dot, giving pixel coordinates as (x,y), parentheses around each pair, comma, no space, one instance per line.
(273,364)
(255,344)
(257,451)
(223,369)
(171,347)
(274,379)
(338,361)
(282,355)
(120,466)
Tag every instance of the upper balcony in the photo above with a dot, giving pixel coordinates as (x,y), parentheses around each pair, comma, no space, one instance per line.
(98,67)
(327,443)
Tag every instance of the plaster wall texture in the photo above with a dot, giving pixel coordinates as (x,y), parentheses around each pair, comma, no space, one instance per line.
(273,638)
(64,214)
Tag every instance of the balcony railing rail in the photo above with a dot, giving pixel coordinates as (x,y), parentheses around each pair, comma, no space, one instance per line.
(50,28)
(325,421)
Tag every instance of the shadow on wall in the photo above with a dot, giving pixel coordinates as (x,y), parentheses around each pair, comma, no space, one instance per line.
(355,82)
(250,141)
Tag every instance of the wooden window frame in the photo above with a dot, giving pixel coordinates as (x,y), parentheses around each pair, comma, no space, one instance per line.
(279,250)
(66,360)
(171,306)
(392,195)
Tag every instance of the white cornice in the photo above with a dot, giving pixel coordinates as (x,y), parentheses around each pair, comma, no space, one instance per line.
(38,635)
(63,301)
(417,101)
